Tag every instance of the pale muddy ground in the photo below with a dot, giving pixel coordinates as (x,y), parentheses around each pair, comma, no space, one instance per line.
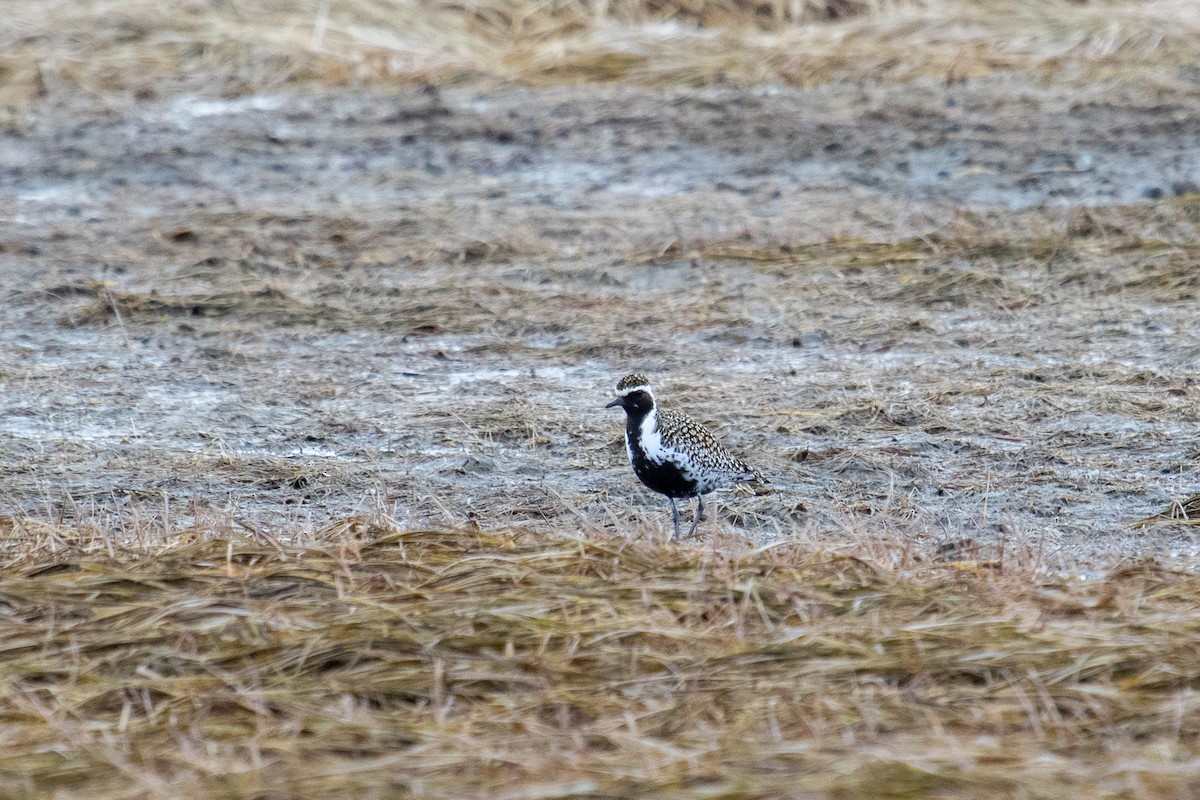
(936,314)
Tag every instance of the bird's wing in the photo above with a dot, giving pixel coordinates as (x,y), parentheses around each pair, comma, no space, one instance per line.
(681,432)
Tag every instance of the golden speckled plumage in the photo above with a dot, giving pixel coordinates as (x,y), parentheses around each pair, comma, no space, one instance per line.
(631,380)
(681,432)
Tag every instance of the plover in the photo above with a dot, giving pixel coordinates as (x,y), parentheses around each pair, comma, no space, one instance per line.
(672,453)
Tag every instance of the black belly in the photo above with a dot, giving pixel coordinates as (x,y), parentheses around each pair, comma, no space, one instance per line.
(664,478)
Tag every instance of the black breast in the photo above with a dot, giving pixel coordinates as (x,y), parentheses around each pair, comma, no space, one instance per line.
(664,478)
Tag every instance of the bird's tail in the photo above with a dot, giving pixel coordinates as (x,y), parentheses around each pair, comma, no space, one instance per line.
(751,474)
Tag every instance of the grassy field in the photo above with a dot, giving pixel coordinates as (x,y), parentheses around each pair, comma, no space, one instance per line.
(379,662)
(149,47)
(309,311)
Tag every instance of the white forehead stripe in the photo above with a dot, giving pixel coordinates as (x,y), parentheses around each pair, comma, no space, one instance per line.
(641,387)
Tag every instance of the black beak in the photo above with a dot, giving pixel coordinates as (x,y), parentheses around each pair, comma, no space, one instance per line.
(620,401)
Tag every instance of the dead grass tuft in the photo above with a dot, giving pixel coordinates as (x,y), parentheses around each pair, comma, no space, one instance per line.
(467,663)
(509,20)
(149,48)
(437,309)
(260,304)
(843,253)
(1180,512)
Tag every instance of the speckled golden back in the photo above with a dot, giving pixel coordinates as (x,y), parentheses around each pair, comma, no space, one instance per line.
(681,432)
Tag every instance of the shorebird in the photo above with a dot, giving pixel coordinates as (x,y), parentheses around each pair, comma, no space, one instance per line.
(671,453)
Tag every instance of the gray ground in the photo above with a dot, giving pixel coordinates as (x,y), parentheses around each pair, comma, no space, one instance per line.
(936,314)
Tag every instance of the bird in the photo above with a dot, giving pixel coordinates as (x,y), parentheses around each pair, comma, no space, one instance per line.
(671,453)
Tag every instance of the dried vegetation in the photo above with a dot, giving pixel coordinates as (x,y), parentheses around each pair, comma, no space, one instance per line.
(261,45)
(959,407)
(469,664)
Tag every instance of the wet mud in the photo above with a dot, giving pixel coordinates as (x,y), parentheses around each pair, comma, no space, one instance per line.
(959,317)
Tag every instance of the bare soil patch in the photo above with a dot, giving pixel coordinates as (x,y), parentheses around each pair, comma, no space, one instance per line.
(952,311)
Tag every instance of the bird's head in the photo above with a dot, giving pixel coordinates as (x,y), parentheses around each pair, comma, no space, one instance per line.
(634,395)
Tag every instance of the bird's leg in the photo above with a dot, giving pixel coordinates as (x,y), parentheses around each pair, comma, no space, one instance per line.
(699,514)
(674,518)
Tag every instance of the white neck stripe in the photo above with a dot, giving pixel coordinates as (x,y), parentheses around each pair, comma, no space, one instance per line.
(651,439)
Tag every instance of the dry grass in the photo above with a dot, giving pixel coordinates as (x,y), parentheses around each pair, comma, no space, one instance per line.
(151,47)
(381,662)
(224,660)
